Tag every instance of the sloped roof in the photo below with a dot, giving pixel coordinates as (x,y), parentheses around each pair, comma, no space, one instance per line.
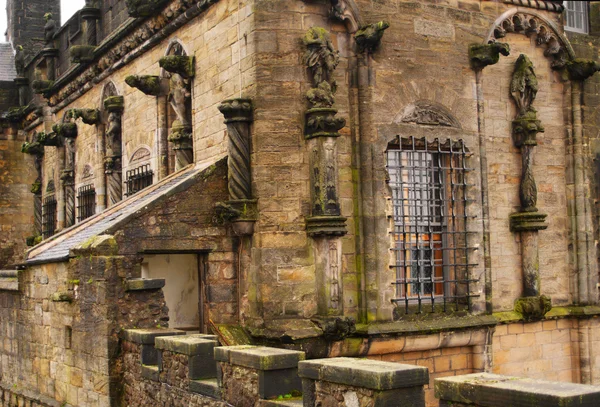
(56,249)
(8,71)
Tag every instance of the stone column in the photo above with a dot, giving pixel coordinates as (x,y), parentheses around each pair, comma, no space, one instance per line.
(90,16)
(36,149)
(66,133)
(321,130)
(241,208)
(528,221)
(362,382)
(22,86)
(163,136)
(113,166)
(50,55)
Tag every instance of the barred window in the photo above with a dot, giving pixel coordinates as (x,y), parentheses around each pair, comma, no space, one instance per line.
(431,256)
(138,179)
(86,200)
(576,16)
(49,216)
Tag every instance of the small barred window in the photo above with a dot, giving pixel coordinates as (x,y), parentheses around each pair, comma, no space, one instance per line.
(138,179)
(49,216)
(86,199)
(576,16)
(431,255)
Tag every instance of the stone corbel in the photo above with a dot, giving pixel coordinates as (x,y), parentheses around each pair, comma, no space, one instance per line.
(144,8)
(42,87)
(88,116)
(114,103)
(179,64)
(48,139)
(150,85)
(82,53)
(482,55)
(580,69)
(240,210)
(369,36)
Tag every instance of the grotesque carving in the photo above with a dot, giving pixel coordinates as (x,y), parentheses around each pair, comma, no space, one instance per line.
(336,328)
(49,30)
(82,53)
(580,69)
(148,84)
(144,8)
(88,116)
(369,37)
(179,64)
(487,54)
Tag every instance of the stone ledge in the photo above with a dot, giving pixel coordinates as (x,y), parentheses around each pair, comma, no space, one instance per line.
(491,390)
(370,374)
(433,323)
(191,345)
(150,372)
(208,387)
(141,284)
(259,357)
(9,284)
(147,336)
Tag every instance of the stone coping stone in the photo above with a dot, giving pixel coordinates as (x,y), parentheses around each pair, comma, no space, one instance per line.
(142,284)
(9,284)
(259,357)
(370,374)
(147,336)
(190,345)
(491,390)
(9,274)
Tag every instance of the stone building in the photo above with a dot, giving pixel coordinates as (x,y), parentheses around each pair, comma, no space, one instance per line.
(407,181)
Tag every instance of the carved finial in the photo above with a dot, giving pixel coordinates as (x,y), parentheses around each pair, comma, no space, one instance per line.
(482,55)
(580,69)
(369,37)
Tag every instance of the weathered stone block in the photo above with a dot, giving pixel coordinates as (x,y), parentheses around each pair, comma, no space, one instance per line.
(141,284)
(259,357)
(147,336)
(491,390)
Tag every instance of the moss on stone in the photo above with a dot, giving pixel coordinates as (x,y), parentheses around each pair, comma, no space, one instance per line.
(179,64)
(148,84)
(482,55)
(144,8)
(114,103)
(82,53)
(88,116)
(67,130)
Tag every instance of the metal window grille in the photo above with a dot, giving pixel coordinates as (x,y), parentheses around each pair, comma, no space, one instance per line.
(86,199)
(576,16)
(138,179)
(429,238)
(49,217)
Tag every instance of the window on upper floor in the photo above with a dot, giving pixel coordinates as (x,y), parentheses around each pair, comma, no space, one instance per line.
(86,202)
(576,16)
(49,216)
(430,252)
(138,179)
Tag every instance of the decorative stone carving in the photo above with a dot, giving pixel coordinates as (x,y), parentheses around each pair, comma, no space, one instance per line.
(533,308)
(148,84)
(48,139)
(66,130)
(482,55)
(113,157)
(345,11)
(90,14)
(20,61)
(241,207)
(50,187)
(181,129)
(140,154)
(179,64)
(580,69)
(88,116)
(530,25)
(549,5)
(428,113)
(68,181)
(369,36)
(321,129)
(144,8)
(49,30)
(82,53)
(87,172)
(42,87)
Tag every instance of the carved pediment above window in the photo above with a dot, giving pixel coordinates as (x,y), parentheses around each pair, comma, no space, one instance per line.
(140,154)
(87,172)
(50,186)
(428,113)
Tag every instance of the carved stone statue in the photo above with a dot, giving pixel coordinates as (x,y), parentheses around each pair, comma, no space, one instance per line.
(49,30)
(179,97)
(20,61)
(524,84)
(320,57)
(113,133)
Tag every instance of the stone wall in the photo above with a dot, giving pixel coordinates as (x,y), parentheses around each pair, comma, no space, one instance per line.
(16,203)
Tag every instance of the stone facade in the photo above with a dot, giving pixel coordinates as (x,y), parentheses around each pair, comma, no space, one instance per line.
(287,112)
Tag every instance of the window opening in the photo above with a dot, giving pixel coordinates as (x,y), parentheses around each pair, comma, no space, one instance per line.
(86,198)
(576,16)
(138,179)
(431,256)
(49,217)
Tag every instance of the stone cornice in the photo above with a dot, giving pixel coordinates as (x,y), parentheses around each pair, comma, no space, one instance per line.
(135,37)
(549,5)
